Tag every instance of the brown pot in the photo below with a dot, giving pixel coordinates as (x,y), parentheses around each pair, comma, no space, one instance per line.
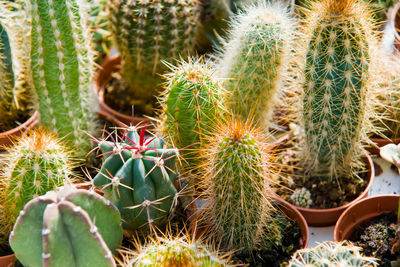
(8,260)
(6,138)
(380,142)
(103,76)
(363,211)
(327,217)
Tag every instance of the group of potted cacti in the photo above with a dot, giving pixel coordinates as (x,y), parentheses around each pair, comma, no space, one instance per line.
(280,114)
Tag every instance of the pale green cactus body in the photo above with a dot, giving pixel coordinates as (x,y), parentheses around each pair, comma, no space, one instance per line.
(62,65)
(255,58)
(302,197)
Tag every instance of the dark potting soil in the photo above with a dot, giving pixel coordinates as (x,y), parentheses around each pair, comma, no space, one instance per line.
(20,119)
(5,250)
(279,254)
(376,238)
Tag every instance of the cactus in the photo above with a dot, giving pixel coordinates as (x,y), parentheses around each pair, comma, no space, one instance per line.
(339,40)
(38,163)
(237,171)
(148,32)
(62,66)
(191,104)
(331,254)
(301,197)
(71,227)
(175,251)
(138,176)
(255,59)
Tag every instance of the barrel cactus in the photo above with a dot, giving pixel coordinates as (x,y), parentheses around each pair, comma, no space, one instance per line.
(331,254)
(62,66)
(71,227)
(339,39)
(38,163)
(255,59)
(301,197)
(237,170)
(149,32)
(138,176)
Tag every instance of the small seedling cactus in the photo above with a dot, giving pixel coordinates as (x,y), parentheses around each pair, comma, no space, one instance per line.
(255,59)
(331,254)
(149,32)
(138,176)
(70,227)
(62,66)
(391,153)
(301,197)
(38,163)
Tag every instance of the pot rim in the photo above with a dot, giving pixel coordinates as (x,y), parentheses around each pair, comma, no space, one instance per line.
(32,121)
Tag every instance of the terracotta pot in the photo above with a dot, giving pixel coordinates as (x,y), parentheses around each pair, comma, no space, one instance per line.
(327,217)
(380,142)
(103,76)
(363,211)
(6,138)
(8,260)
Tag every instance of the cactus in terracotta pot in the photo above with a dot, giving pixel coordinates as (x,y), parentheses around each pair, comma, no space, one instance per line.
(138,176)
(71,227)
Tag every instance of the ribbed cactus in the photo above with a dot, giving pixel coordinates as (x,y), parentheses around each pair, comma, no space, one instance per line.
(177,251)
(336,78)
(62,65)
(38,163)
(331,254)
(237,172)
(138,176)
(255,58)
(72,227)
(301,197)
(148,32)
(191,105)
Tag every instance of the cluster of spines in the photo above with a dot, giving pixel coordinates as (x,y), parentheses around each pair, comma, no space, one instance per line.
(331,254)
(238,172)
(255,58)
(62,62)
(301,197)
(336,81)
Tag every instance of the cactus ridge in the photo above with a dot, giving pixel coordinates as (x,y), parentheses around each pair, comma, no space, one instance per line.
(255,58)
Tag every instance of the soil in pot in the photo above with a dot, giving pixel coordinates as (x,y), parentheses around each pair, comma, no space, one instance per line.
(19,119)
(376,238)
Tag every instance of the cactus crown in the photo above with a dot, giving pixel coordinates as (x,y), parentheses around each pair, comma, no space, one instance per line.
(38,163)
(331,254)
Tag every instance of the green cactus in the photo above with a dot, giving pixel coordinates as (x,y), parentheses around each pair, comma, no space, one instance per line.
(336,79)
(301,197)
(138,176)
(38,163)
(148,32)
(331,254)
(177,251)
(72,227)
(191,105)
(254,61)
(62,66)
(238,171)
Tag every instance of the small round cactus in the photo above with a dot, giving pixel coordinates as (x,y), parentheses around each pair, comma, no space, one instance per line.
(301,197)
(331,254)
(38,163)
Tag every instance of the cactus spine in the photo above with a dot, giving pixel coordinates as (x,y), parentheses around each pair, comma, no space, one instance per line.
(147,32)
(67,228)
(336,78)
(237,172)
(192,103)
(61,62)
(38,163)
(138,176)
(255,59)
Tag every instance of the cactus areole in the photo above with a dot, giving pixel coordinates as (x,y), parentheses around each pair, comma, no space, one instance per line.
(138,176)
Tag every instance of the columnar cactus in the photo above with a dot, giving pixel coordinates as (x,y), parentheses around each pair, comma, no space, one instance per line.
(72,227)
(149,32)
(191,105)
(38,163)
(178,251)
(62,64)
(331,254)
(338,47)
(255,58)
(237,171)
(138,176)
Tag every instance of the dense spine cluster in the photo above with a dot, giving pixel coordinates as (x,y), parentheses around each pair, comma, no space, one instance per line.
(255,58)
(62,62)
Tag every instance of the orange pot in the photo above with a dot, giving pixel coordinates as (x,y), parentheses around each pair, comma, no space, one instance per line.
(8,260)
(380,142)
